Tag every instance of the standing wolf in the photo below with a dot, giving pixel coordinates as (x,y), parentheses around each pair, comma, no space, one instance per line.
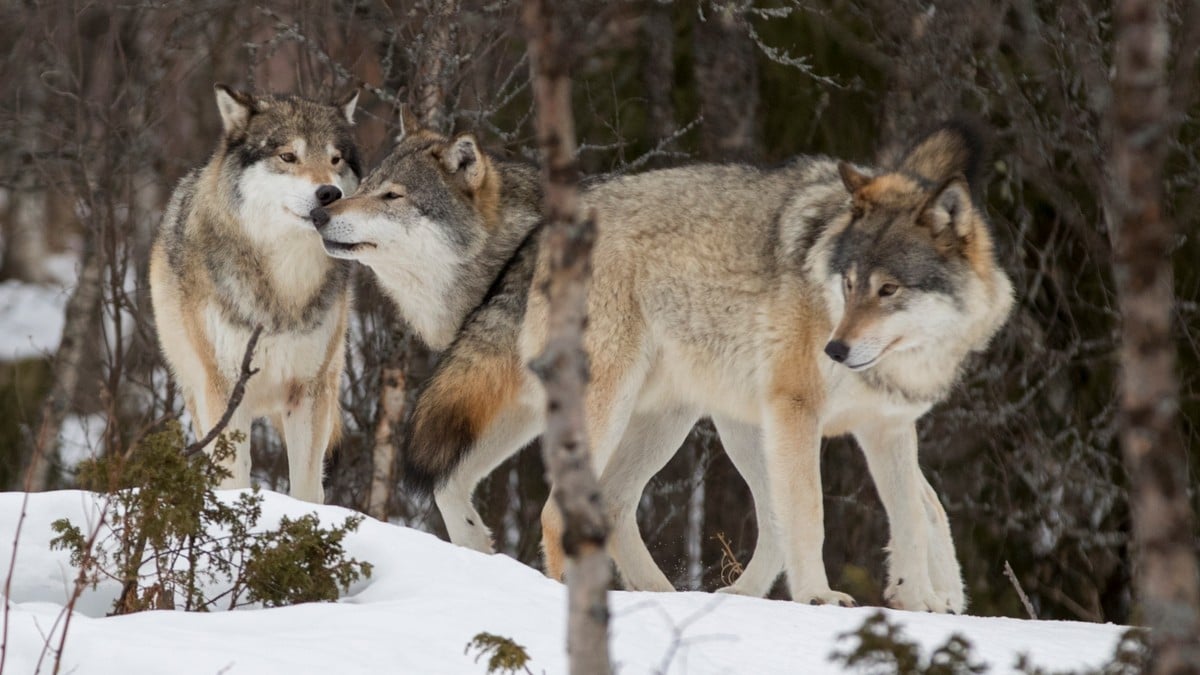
(237,249)
(818,299)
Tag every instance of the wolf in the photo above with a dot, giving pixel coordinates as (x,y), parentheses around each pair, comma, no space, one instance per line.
(237,249)
(814,300)
(451,232)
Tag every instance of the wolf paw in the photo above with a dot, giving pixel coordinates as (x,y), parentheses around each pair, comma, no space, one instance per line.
(955,600)
(734,589)
(655,586)
(922,598)
(825,597)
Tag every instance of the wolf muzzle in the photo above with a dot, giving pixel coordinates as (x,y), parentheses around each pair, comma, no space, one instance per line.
(836,349)
(328,194)
(320,217)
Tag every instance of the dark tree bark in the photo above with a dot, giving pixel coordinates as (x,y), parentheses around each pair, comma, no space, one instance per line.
(1166,575)
(562,365)
(726,73)
(658,36)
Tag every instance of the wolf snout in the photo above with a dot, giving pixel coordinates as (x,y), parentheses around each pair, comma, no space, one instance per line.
(836,349)
(328,194)
(320,217)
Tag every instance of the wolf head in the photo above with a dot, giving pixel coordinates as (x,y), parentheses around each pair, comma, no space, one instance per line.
(432,197)
(915,268)
(283,156)
(421,220)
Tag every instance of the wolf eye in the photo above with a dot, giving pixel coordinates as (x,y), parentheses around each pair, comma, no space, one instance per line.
(887,290)
(336,161)
(391,195)
(288,157)
(847,284)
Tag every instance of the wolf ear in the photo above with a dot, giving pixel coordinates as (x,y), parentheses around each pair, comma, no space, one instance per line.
(236,107)
(463,158)
(954,149)
(949,208)
(409,124)
(852,178)
(347,104)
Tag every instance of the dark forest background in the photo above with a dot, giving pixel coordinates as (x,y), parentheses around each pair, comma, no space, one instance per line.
(106,104)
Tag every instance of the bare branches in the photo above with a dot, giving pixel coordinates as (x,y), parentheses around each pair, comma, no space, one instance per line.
(235,397)
(562,365)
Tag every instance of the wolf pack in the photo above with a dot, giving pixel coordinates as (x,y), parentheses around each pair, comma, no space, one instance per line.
(815,299)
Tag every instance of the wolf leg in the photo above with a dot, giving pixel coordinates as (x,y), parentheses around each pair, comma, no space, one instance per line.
(944,570)
(891,452)
(744,447)
(307,427)
(509,432)
(209,407)
(793,452)
(649,442)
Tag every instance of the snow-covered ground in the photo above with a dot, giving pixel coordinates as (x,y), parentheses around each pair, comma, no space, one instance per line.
(426,599)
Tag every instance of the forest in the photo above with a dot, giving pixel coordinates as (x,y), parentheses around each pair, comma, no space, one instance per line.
(108,104)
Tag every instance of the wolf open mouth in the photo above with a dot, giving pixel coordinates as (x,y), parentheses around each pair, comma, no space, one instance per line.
(334,247)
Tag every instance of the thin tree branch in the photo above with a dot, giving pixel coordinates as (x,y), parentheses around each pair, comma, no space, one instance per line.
(1012,577)
(235,397)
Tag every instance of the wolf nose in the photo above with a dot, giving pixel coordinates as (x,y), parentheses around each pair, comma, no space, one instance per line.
(328,194)
(320,217)
(837,350)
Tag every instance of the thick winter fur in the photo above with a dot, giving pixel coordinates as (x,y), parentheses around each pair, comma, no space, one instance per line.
(236,249)
(818,299)
(440,223)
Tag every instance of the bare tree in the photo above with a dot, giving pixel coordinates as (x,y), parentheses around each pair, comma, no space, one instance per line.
(562,365)
(1166,575)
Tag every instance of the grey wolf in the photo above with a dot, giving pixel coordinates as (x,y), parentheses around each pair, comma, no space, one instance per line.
(236,249)
(814,300)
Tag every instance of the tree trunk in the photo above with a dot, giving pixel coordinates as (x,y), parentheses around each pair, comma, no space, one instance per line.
(562,366)
(392,395)
(658,35)
(438,62)
(726,73)
(79,331)
(25,236)
(1166,575)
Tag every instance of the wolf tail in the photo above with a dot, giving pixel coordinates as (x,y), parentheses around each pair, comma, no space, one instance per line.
(467,391)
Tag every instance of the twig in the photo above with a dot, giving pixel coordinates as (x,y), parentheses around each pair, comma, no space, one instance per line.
(235,398)
(81,583)
(731,567)
(1008,572)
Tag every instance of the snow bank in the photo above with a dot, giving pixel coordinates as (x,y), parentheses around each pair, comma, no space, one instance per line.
(427,599)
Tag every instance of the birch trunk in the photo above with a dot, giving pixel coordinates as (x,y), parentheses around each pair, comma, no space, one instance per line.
(1166,581)
(562,366)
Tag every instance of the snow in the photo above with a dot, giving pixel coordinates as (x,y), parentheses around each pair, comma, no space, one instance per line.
(32,316)
(426,599)
(80,438)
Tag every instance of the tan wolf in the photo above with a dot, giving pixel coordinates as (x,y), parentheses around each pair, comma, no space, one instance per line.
(237,249)
(813,300)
